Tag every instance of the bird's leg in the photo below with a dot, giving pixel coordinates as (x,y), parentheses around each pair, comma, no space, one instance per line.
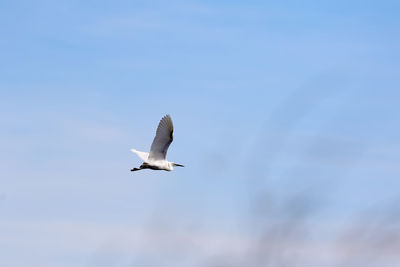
(145,165)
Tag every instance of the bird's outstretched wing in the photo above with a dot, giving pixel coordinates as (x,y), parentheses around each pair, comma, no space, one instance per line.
(162,140)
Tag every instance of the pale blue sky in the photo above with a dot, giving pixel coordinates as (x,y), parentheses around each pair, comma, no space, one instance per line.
(269,100)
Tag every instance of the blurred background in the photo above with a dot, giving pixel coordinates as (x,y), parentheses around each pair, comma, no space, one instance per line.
(286,119)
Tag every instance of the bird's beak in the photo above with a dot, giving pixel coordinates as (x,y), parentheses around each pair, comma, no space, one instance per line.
(178,165)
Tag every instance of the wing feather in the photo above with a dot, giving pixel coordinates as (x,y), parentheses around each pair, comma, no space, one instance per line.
(162,140)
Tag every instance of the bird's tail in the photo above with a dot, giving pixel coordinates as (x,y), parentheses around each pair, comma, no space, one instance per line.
(142,155)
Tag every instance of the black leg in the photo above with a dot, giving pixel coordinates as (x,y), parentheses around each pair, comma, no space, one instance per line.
(135,169)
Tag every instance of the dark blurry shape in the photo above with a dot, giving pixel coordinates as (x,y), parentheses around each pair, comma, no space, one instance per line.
(373,240)
(281,124)
(282,229)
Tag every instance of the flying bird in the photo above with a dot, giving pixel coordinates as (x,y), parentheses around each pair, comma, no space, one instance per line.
(156,159)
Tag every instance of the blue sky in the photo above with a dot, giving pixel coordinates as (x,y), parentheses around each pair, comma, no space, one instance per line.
(274,104)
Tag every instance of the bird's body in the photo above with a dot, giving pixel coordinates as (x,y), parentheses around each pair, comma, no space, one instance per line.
(156,158)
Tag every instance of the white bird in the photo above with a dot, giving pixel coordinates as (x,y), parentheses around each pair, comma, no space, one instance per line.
(155,160)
